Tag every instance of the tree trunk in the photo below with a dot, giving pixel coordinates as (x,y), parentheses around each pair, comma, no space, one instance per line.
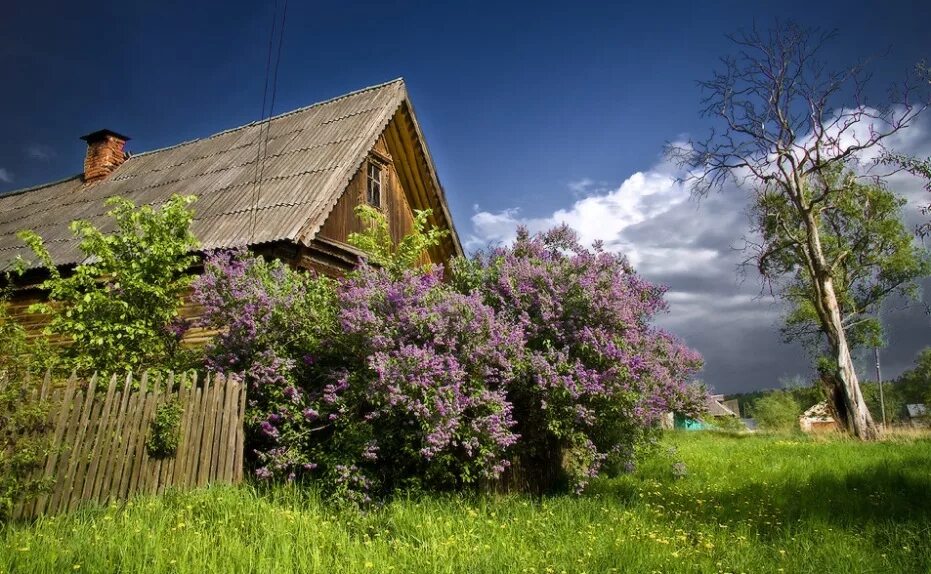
(848,404)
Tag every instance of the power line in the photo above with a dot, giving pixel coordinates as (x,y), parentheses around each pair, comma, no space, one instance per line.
(261,152)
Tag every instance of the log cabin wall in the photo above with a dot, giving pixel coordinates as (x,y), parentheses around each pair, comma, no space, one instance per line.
(35,323)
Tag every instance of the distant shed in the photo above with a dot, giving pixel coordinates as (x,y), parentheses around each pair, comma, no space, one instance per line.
(818,419)
(714,409)
(918,415)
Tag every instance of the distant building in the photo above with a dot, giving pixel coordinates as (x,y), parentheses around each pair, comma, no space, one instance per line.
(918,415)
(733,405)
(818,419)
(717,408)
(714,409)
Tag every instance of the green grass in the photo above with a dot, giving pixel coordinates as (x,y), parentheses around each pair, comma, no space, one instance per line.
(747,504)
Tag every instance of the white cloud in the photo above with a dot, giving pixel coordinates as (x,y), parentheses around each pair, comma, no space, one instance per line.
(5,175)
(605,216)
(694,248)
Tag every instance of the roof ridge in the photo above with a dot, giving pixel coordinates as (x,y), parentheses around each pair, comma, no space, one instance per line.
(281,115)
(39,186)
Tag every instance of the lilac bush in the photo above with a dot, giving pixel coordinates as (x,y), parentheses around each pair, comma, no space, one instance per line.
(597,374)
(539,357)
(433,367)
(270,318)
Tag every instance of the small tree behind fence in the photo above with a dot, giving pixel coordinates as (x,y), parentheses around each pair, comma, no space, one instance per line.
(110,437)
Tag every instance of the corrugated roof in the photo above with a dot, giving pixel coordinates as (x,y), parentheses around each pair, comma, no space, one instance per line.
(716,408)
(312,154)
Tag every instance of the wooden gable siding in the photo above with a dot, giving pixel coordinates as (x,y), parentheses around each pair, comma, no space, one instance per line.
(342,220)
(411,183)
(396,206)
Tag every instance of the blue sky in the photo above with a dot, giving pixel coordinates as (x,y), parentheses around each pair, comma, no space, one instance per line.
(529,109)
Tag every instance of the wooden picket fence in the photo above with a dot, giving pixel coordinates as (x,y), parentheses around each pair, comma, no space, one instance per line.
(99,433)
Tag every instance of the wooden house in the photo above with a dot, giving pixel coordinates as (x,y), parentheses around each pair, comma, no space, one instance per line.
(284,187)
(715,409)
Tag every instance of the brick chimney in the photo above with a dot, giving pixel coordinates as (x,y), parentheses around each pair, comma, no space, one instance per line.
(104,154)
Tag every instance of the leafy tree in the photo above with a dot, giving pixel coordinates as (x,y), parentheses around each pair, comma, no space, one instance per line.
(873,255)
(918,167)
(120,309)
(381,249)
(893,399)
(777,411)
(915,383)
(789,137)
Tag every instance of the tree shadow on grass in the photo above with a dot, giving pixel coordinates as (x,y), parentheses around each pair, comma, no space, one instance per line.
(897,492)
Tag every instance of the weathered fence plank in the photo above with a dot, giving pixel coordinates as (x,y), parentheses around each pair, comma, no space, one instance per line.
(60,409)
(100,438)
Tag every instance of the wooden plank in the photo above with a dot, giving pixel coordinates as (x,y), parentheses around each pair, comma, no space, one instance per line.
(150,467)
(187,437)
(216,445)
(114,455)
(229,434)
(218,431)
(46,386)
(73,459)
(241,434)
(194,430)
(63,408)
(224,434)
(206,442)
(135,421)
(102,435)
(141,458)
(61,469)
(192,455)
(186,396)
(164,467)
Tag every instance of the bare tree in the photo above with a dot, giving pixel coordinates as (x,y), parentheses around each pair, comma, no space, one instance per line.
(790,132)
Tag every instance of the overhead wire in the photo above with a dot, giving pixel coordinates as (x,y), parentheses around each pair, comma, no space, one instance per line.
(261,152)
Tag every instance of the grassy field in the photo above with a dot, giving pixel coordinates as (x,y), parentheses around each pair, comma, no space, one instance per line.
(744,504)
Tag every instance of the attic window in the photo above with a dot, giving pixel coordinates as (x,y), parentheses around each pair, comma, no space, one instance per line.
(373,194)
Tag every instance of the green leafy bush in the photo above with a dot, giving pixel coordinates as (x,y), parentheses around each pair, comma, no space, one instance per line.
(165,430)
(382,251)
(24,441)
(732,424)
(120,309)
(777,411)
